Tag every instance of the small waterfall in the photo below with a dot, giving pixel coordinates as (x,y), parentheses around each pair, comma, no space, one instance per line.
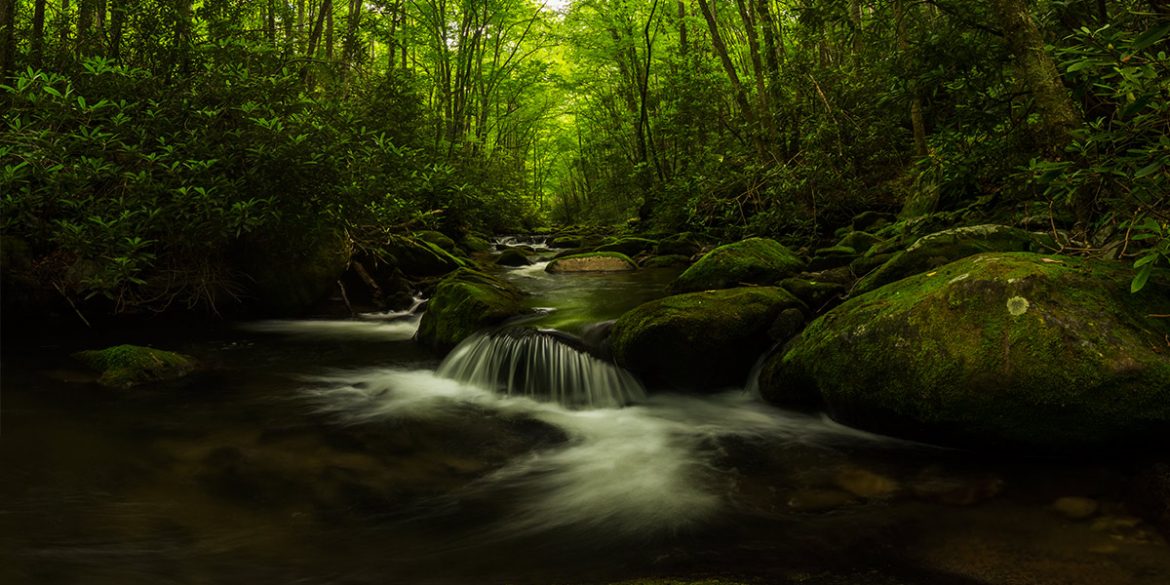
(535,242)
(543,365)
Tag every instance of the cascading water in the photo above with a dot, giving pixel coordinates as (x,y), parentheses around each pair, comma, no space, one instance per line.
(539,364)
(535,242)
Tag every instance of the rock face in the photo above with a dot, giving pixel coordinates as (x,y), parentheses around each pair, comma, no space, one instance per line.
(465,302)
(936,249)
(751,261)
(699,341)
(592,262)
(123,366)
(1004,350)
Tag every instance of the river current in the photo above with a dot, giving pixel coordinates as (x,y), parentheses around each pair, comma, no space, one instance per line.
(337,451)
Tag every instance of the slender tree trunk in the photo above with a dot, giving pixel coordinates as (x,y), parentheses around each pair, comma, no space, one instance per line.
(917,121)
(328,9)
(765,109)
(729,68)
(117,25)
(318,28)
(84,22)
(37,54)
(270,22)
(682,27)
(183,39)
(855,21)
(7,38)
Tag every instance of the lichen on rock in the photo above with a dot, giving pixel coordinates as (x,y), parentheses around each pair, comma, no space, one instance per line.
(124,366)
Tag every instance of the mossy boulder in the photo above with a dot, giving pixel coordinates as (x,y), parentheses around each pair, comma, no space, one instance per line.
(513,257)
(628,246)
(561,242)
(751,261)
(668,261)
(832,257)
(592,262)
(936,249)
(859,241)
(997,350)
(416,257)
(437,238)
(812,292)
(464,302)
(699,341)
(124,366)
(474,243)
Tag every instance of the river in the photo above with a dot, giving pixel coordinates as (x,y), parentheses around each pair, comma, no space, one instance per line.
(337,451)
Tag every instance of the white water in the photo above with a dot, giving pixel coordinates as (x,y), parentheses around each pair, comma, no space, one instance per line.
(531,271)
(535,364)
(638,471)
(380,328)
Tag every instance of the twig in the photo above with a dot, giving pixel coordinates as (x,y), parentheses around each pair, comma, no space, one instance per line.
(71,305)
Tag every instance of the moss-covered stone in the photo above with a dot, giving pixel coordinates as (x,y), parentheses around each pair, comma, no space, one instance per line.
(699,341)
(994,350)
(124,366)
(562,242)
(949,245)
(668,261)
(513,257)
(474,243)
(814,293)
(464,302)
(859,241)
(628,246)
(868,221)
(751,261)
(421,258)
(437,238)
(832,257)
(592,262)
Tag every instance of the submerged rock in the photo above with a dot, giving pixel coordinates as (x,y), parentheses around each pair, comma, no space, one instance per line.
(699,341)
(751,261)
(465,302)
(995,350)
(124,366)
(593,262)
(939,248)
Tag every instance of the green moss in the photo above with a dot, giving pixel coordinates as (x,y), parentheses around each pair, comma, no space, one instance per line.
(668,261)
(123,366)
(465,302)
(437,238)
(567,242)
(703,340)
(814,293)
(860,241)
(473,243)
(421,258)
(994,350)
(751,261)
(628,246)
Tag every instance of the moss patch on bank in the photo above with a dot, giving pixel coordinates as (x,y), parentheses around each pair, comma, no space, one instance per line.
(124,366)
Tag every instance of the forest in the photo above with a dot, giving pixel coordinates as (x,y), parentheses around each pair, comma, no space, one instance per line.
(585,292)
(148,145)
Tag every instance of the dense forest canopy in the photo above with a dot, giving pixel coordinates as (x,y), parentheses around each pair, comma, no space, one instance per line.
(148,148)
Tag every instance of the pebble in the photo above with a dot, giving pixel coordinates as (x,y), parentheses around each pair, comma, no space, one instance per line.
(1075,508)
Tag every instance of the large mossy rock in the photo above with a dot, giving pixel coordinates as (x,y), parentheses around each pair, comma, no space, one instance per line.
(437,238)
(699,341)
(124,366)
(465,302)
(513,257)
(628,246)
(592,262)
(997,350)
(939,248)
(751,261)
(416,257)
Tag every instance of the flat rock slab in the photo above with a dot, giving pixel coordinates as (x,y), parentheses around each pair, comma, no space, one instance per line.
(598,262)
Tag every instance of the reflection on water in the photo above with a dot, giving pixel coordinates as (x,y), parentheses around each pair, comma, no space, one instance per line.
(332,452)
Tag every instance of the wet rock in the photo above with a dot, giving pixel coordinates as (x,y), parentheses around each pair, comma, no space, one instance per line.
(513,257)
(124,366)
(820,500)
(865,484)
(669,261)
(464,303)
(934,250)
(593,262)
(567,242)
(993,351)
(937,487)
(787,324)
(474,243)
(814,293)
(1075,508)
(751,261)
(699,341)
(628,246)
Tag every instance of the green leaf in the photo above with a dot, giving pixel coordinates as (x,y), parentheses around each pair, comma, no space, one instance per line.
(1147,170)
(1139,281)
(1150,37)
(1145,260)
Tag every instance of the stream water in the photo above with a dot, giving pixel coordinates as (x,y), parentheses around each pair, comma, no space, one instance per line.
(337,451)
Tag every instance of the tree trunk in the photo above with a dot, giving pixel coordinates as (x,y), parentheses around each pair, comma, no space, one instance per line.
(1054,106)
(765,110)
(917,121)
(318,28)
(117,25)
(7,38)
(38,34)
(728,67)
